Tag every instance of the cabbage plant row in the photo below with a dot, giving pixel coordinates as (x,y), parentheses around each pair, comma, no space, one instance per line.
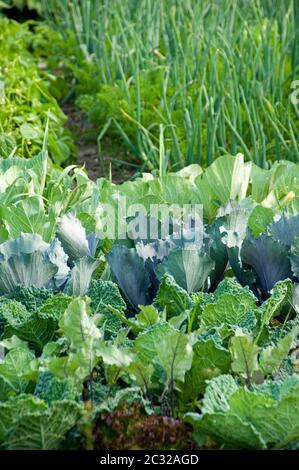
(93,329)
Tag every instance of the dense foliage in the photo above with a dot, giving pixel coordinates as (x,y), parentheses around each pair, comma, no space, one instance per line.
(172,340)
(186,80)
(28,98)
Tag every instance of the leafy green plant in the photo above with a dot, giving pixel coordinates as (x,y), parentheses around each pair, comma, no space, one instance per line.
(29,424)
(212,353)
(119,343)
(228,179)
(242,418)
(188,260)
(27,102)
(168,365)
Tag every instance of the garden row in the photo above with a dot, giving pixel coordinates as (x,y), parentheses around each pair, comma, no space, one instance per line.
(29,94)
(191,345)
(185,82)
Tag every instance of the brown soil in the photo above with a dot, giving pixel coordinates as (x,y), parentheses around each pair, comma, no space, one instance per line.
(85,139)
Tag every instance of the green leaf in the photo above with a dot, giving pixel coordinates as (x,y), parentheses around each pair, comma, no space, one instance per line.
(226,429)
(28,216)
(172,297)
(149,341)
(276,420)
(189,267)
(14,371)
(227,178)
(141,373)
(259,219)
(13,342)
(15,408)
(230,285)
(83,337)
(217,421)
(209,360)
(218,392)
(31,297)
(113,356)
(270,187)
(169,348)
(272,356)
(13,312)
(105,294)
(28,326)
(36,331)
(244,354)
(54,307)
(78,326)
(148,316)
(7,144)
(43,430)
(280,295)
(35,168)
(175,355)
(29,132)
(50,389)
(128,396)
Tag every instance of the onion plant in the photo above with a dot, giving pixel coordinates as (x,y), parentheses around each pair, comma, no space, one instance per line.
(214,75)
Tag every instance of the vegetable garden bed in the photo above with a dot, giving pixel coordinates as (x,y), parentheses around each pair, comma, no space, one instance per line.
(115,334)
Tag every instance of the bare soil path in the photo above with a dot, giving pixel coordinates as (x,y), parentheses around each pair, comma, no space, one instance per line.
(85,139)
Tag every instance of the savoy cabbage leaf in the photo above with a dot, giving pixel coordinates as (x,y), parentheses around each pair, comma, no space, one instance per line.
(249,419)
(16,370)
(172,297)
(102,295)
(43,429)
